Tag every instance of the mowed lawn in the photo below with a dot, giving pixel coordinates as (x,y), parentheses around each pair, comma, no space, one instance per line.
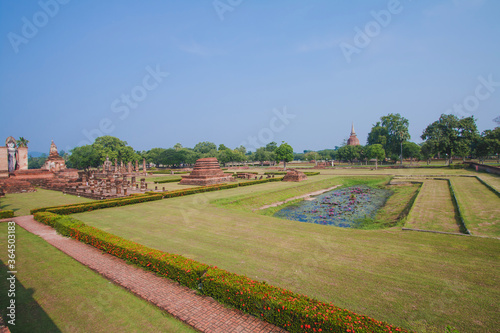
(55,293)
(479,205)
(21,203)
(433,209)
(492,180)
(416,280)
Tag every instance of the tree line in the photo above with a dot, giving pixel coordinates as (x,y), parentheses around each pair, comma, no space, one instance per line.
(389,139)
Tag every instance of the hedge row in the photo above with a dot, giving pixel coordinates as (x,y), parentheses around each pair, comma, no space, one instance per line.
(86,207)
(209,188)
(293,312)
(275,173)
(174,180)
(311,173)
(5,214)
(143,197)
(260,181)
(168,172)
(494,190)
(251,172)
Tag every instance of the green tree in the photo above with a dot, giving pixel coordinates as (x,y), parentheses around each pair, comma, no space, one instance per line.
(114,148)
(22,142)
(312,155)
(378,135)
(284,153)
(272,146)
(390,132)
(36,162)
(155,155)
(427,151)
(262,155)
(411,150)
(205,147)
(177,146)
(349,153)
(84,158)
(488,144)
(451,135)
(375,151)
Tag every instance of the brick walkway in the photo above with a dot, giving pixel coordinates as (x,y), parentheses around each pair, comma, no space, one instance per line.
(201,312)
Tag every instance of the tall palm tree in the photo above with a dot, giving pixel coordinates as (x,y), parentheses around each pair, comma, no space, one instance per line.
(22,142)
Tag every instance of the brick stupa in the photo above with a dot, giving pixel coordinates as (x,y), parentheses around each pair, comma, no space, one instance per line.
(54,162)
(293,175)
(206,171)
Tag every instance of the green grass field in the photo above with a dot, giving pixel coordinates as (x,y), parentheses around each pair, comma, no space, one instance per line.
(416,280)
(55,293)
(434,209)
(479,205)
(21,203)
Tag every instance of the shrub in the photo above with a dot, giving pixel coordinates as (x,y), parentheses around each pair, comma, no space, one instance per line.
(174,180)
(200,189)
(275,173)
(5,214)
(311,173)
(251,172)
(79,208)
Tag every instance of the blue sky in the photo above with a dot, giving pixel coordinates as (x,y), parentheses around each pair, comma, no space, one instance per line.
(154,73)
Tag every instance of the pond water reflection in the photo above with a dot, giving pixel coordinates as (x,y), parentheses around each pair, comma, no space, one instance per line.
(340,208)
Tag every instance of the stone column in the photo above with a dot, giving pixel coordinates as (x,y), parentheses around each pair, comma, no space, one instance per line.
(129,167)
(124,179)
(118,190)
(136,166)
(143,184)
(108,185)
(144,166)
(133,181)
(125,191)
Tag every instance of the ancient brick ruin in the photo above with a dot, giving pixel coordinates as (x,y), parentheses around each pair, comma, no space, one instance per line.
(293,175)
(206,171)
(353,139)
(54,162)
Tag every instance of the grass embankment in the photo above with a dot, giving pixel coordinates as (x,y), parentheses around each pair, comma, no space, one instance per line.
(22,203)
(416,280)
(492,180)
(480,207)
(434,209)
(55,293)
(396,208)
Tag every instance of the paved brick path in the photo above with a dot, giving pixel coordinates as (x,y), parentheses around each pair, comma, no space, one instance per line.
(201,312)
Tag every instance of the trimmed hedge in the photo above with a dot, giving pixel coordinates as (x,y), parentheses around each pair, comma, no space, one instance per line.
(311,173)
(168,172)
(208,188)
(293,312)
(260,181)
(168,181)
(275,173)
(5,214)
(87,207)
(250,172)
